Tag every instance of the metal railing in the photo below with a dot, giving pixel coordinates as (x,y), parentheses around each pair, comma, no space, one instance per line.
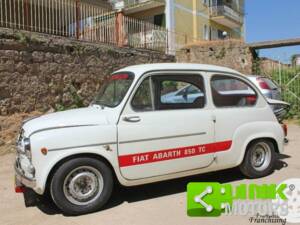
(86,22)
(141,34)
(224,10)
(134,3)
(58,17)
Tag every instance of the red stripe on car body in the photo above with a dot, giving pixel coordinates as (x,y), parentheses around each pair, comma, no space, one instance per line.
(175,153)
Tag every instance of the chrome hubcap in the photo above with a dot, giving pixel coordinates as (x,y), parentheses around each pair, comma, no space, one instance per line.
(261,156)
(83,185)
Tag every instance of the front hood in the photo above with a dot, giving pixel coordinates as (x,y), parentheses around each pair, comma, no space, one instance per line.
(90,116)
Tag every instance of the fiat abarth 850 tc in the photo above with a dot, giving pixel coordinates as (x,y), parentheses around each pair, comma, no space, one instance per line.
(148,123)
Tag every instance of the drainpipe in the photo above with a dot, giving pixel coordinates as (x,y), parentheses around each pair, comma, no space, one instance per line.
(170,26)
(195,19)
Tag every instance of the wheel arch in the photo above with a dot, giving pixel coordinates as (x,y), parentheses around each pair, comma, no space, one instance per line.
(79,155)
(250,132)
(251,140)
(271,139)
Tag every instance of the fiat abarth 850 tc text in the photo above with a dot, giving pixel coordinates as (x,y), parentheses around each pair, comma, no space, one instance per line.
(148,123)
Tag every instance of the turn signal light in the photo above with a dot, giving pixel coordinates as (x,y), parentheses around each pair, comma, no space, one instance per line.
(44,151)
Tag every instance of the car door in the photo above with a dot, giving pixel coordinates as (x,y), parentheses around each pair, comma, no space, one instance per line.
(157,136)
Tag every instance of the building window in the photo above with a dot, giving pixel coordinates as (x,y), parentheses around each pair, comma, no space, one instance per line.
(206,2)
(217,34)
(159,20)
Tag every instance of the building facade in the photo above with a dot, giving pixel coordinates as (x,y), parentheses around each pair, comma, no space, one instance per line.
(161,25)
(296,60)
(197,19)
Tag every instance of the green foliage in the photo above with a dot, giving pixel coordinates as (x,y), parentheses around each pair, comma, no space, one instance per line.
(59,107)
(221,54)
(256,66)
(22,38)
(26,39)
(289,81)
(77,101)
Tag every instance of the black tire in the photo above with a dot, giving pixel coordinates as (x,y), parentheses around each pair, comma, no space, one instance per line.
(248,167)
(58,188)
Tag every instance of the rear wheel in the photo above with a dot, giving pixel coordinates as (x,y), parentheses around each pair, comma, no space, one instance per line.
(81,185)
(259,159)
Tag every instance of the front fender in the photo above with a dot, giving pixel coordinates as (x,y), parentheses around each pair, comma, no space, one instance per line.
(63,143)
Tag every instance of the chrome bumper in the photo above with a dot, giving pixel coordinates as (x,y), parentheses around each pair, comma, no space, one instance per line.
(21,180)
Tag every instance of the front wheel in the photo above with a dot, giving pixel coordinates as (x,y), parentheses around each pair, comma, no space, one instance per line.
(259,159)
(81,185)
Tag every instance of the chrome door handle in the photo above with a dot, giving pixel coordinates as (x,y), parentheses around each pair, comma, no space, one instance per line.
(132,119)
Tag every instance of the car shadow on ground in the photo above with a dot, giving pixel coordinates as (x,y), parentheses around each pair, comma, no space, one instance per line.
(155,190)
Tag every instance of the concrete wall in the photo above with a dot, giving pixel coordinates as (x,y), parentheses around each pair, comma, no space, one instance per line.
(40,72)
(230,53)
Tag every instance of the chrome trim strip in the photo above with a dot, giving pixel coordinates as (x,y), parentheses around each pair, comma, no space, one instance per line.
(61,127)
(160,138)
(81,146)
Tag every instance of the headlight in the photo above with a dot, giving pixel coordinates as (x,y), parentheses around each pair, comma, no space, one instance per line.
(27,147)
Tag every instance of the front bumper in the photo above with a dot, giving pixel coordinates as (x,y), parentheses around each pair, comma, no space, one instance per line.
(21,180)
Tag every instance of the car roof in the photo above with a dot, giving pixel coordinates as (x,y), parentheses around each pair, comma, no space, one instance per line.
(139,70)
(251,75)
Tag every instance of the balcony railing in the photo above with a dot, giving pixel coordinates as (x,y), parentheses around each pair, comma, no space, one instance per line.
(129,4)
(85,22)
(235,17)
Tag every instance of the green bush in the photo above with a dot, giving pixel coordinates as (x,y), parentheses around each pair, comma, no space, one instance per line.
(77,101)
(289,81)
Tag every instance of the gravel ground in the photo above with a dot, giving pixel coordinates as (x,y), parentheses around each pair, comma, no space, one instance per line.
(159,203)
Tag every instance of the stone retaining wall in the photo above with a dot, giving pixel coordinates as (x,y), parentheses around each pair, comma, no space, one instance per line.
(229,53)
(40,72)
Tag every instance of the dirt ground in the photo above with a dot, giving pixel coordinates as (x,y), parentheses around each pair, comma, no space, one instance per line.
(160,203)
(9,128)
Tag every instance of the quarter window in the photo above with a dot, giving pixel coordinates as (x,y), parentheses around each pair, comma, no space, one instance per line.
(143,98)
(114,89)
(232,92)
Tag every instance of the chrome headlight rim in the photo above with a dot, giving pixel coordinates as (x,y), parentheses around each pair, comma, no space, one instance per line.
(27,147)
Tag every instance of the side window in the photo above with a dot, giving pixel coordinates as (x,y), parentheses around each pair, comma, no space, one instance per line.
(179,92)
(142,100)
(232,92)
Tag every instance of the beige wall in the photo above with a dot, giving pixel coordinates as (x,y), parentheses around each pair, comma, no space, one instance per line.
(192,15)
(188,19)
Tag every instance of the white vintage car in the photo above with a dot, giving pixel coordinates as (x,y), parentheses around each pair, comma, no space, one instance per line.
(132,133)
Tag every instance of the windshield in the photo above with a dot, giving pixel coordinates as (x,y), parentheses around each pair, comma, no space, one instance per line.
(113,90)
